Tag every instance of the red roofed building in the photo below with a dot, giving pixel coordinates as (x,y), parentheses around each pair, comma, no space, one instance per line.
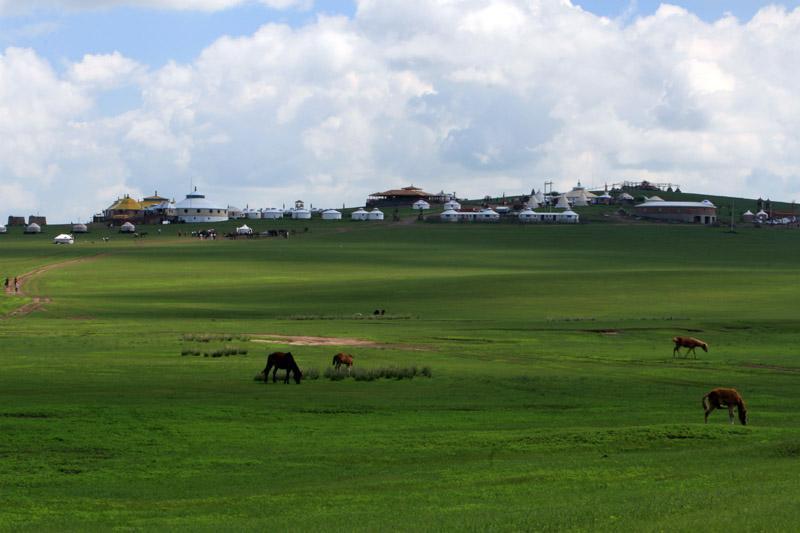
(403,197)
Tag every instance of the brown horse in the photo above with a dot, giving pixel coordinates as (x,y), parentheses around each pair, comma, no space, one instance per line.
(688,342)
(730,398)
(284,361)
(342,358)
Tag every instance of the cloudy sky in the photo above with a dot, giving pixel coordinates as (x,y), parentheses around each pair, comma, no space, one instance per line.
(262,102)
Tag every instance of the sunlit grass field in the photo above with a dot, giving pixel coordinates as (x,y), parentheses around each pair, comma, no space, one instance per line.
(554,402)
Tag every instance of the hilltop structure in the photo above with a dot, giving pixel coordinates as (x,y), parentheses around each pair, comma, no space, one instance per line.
(694,212)
(404,197)
(197,208)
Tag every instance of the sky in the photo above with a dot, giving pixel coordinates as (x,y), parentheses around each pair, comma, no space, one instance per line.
(262,102)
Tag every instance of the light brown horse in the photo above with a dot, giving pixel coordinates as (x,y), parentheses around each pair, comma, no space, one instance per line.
(342,358)
(730,398)
(688,342)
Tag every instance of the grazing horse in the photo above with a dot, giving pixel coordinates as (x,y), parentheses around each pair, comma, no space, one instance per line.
(342,358)
(688,342)
(284,361)
(730,398)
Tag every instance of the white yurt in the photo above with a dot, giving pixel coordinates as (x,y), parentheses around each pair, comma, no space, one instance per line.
(234,212)
(252,214)
(3,229)
(488,215)
(568,217)
(80,228)
(562,203)
(527,215)
(331,214)
(127,228)
(708,203)
(451,215)
(244,229)
(33,228)
(762,215)
(301,214)
(748,216)
(64,238)
(451,205)
(359,214)
(625,197)
(421,204)
(272,213)
(375,214)
(503,209)
(197,208)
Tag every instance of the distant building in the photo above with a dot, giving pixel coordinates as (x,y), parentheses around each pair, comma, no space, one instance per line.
(693,212)
(16,221)
(197,208)
(404,197)
(35,219)
(150,201)
(123,210)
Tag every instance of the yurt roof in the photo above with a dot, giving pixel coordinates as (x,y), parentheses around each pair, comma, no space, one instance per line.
(569,212)
(762,213)
(126,204)
(127,225)
(63,236)
(489,211)
(195,200)
(748,212)
(450,212)
(662,203)
(625,196)
(34,226)
(244,226)
(331,211)
(233,208)
(359,210)
(655,199)
(79,225)
(376,210)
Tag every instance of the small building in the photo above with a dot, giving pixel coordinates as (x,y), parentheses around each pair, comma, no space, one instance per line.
(301,214)
(253,214)
(563,202)
(36,219)
(748,216)
(449,215)
(487,215)
(244,229)
(402,197)
(64,238)
(271,213)
(451,205)
(603,199)
(3,229)
(421,204)
(234,213)
(691,212)
(15,221)
(150,201)
(33,228)
(197,208)
(331,214)
(127,227)
(375,214)
(563,217)
(123,210)
(527,215)
(625,199)
(359,214)
(762,215)
(159,213)
(80,228)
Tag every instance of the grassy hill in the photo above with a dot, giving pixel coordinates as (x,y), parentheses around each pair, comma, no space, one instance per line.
(554,401)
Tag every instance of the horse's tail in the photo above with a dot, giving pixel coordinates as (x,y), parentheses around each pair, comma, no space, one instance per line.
(335,357)
(706,403)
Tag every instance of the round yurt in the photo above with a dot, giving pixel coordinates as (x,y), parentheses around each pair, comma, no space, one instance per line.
(64,238)
(527,215)
(272,213)
(127,228)
(569,217)
(197,208)
(421,204)
(234,212)
(604,199)
(375,214)
(301,214)
(3,229)
(762,215)
(488,215)
(331,214)
(252,214)
(452,205)
(80,228)
(450,215)
(503,209)
(748,216)
(244,229)
(33,228)
(359,214)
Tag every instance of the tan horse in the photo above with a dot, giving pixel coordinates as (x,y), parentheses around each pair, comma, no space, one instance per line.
(730,398)
(688,342)
(342,358)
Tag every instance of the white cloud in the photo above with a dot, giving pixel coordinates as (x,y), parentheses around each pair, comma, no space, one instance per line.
(476,96)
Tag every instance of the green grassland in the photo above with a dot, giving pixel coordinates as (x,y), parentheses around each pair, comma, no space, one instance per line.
(554,404)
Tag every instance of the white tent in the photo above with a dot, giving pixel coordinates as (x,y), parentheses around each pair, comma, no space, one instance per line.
(488,215)
(359,214)
(569,217)
(33,228)
(625,197)
(253,214)
(272,213)
(762,214)
(748,213)
(562,203)
(527,215)
(533,203)
(502,209)
(581,200)
(450,215)
(127,228)
(301,214)
(80,228)
(421,204)
(539,196)
(451,205)
(331,214)
(64,239)
(375,214)
(244,230)
(654,199)
(3,229)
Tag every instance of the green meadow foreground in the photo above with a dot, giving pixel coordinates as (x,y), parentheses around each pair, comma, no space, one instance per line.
(554,402)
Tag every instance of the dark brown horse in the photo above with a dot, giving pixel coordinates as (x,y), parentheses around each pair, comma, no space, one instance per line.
(688,342)
(730,398)
(284,361)
(342,358)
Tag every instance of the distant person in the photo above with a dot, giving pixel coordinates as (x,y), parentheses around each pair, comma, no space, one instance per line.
(16,284)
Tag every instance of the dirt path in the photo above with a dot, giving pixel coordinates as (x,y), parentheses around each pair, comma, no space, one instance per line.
(304,340)
(38,301)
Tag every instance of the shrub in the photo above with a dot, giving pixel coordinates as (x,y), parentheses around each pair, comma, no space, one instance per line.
(426,371)
(371,374)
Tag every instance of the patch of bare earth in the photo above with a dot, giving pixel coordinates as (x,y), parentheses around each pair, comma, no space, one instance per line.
(776,368)
(38,302)
(306,340)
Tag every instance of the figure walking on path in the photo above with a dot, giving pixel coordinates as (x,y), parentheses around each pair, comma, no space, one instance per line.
(16,284)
